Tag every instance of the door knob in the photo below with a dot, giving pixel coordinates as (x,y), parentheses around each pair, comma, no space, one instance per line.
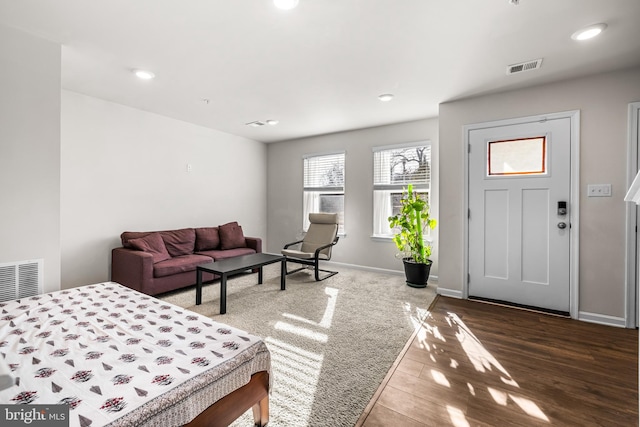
(562,225)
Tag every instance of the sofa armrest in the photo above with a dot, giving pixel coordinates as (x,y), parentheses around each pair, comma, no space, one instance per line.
(254,243)
(132,268)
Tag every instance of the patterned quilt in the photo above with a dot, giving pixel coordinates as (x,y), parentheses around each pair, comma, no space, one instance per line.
(121,358)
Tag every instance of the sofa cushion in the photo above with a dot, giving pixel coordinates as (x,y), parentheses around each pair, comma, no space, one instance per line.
(207,238)
(179,242)
(231,236)
(229,253)
(153,244)
(179,264)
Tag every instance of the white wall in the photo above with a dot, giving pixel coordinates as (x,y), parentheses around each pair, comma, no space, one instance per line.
(284,190)
(603,102)
(126,169)
(30,152)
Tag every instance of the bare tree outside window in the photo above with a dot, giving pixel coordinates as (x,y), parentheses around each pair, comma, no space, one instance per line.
(410,165)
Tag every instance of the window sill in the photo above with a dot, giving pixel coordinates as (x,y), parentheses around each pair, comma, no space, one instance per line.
(381,238)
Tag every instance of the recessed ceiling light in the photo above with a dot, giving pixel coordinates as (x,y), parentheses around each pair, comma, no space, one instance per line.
(589,32)
(272,122)
(144,74)
(385,97)
(285,4)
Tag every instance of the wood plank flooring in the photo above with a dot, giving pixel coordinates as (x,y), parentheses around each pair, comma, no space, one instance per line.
(478,364)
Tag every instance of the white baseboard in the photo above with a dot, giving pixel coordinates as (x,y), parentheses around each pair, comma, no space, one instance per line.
(364,267)
(602,319)
(453,293)
(432,278)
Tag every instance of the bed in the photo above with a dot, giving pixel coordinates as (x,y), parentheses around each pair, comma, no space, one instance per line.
(117,357)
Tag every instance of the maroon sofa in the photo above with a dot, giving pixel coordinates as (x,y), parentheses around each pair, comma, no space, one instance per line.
(154,262)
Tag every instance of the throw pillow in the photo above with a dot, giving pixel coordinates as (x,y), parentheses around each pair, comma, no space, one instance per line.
(207,238)
(179,242)
(231,236)
(153,244)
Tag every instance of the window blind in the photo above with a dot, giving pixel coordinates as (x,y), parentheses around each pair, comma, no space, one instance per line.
(397,167)
(324,172)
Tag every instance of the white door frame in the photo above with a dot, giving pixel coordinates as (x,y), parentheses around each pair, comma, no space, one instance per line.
(631,303)
(574,210)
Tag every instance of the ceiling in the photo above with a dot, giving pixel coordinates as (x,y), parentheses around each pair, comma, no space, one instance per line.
(320,67)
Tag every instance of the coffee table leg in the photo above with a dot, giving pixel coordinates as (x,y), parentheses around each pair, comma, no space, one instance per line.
(198,287)
(283,274)
(223,294)
(260,276)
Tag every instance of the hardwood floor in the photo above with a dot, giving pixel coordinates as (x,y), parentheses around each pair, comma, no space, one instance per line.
(477,364)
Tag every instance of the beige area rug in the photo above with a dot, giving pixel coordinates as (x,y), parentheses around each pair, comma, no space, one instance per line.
(331,342)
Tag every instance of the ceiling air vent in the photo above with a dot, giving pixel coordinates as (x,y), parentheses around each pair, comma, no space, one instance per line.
(524,66)
(256,124)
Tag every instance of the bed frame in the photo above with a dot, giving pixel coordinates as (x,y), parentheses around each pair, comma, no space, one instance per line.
(253,395)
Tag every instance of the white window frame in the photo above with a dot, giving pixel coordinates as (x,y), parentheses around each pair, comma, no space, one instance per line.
(314,186)
(382,204)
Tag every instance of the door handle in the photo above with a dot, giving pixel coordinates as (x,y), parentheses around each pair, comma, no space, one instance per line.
(562,225)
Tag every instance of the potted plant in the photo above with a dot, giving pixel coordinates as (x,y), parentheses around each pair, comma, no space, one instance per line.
(413,222)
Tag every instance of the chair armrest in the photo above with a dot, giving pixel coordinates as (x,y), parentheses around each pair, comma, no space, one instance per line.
(317,253)
(291,244)
(254,243)
(132,268)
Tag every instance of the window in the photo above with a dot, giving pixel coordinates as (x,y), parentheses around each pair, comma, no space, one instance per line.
(394,167)
(517,157)
(324,187)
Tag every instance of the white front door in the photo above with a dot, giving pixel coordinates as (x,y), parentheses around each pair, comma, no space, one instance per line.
(519,209)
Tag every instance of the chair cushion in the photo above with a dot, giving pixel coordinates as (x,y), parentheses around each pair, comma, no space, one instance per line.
(231,236)
(179,242)
(229,253)
(179,264)
(323,218)
(303,255)
(319,235)
(207,238)
(153,244)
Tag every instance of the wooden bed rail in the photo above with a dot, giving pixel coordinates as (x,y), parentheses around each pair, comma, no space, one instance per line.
(253,395)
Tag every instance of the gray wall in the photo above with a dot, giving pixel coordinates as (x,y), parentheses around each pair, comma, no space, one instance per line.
(30,152)
(603,102)
(126,169)
(284,190)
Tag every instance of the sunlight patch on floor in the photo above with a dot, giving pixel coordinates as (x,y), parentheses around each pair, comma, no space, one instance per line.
(329,311)
(303,332)
(499,396)
(298,370)
(457,417)
(529,407)
(440,378)
(481,359)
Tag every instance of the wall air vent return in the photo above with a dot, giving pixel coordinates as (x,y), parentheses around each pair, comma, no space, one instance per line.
(20,279)
(524,66)
(256,124)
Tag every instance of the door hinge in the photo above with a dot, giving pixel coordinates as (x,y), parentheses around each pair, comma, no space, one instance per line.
(468,213)
(468,148)
(468,278)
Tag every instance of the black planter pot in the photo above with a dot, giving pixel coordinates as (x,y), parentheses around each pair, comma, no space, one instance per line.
(417,274)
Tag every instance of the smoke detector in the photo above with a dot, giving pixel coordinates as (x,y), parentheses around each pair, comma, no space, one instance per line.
(524,66)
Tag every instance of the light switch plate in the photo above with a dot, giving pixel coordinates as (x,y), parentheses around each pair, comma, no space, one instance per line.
(599,190)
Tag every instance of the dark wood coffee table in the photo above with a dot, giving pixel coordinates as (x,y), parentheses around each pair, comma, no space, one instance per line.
(227,267)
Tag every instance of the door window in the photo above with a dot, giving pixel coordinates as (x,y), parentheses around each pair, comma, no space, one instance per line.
(527,156)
